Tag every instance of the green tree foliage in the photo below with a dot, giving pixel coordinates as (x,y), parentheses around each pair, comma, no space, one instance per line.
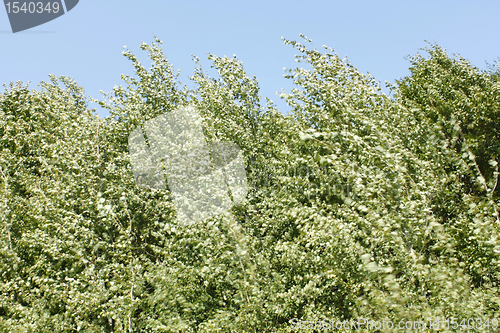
(361,205)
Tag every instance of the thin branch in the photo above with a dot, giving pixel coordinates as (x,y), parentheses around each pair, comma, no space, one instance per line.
(496,181)
(6,186)
(97,140)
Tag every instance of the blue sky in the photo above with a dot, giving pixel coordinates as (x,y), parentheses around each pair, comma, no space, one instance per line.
(376,36)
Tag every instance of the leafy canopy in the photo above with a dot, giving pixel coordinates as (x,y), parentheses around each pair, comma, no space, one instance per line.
(361,205)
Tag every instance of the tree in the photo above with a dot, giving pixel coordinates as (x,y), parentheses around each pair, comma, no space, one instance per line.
(360,205)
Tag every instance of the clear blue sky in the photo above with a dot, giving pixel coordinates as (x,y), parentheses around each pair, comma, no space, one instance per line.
(376,36)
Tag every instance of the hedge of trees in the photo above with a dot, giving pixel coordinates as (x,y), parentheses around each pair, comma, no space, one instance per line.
(360,204)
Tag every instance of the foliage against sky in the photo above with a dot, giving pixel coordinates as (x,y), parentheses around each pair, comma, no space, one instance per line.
(360,204)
